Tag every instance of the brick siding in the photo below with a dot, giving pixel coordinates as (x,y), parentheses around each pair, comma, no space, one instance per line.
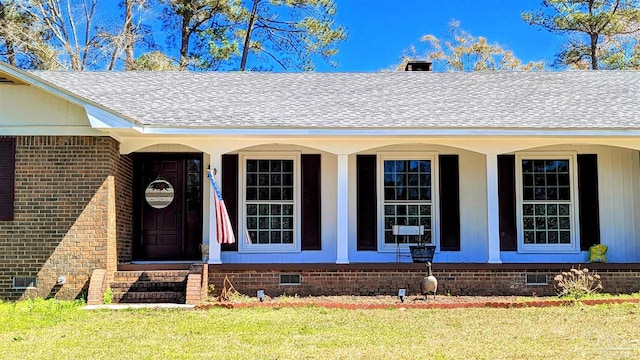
(65,214)
(124,205)
(475,282)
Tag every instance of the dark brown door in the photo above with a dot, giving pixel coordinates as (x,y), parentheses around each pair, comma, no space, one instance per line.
(168,219)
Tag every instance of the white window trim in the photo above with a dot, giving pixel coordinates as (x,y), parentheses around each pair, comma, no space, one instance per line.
(574,246)
(244,246)
(435,197)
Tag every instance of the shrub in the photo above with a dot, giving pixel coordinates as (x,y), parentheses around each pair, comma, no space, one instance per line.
(107,296)
(577,283)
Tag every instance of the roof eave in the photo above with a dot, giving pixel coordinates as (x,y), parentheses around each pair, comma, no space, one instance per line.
(100,117)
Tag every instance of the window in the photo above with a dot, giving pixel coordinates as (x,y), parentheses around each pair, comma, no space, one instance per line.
(547,203)
(270,197)
(409,197)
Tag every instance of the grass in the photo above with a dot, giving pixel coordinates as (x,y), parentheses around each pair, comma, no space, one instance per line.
(60,330)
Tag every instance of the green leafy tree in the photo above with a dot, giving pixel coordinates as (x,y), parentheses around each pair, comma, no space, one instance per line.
(604,31)
(155,61)
(23,41)
(203,30)
(290,32)
(461,51)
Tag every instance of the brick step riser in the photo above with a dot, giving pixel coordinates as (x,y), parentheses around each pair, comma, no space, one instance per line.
(120,279)
(149,286)
(137,274)
(149,297)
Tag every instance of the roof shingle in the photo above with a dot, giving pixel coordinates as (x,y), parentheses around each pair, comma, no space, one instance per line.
(531,100)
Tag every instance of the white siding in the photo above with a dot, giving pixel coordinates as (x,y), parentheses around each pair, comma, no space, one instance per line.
(473,215)
(619,187)
(22,105)
(619,198)
(328,217)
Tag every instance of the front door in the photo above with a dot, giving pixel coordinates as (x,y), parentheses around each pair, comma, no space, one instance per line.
(168,206)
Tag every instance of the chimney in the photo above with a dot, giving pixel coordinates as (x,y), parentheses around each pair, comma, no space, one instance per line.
(418,66)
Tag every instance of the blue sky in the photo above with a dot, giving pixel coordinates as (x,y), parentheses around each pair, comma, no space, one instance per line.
(379,30)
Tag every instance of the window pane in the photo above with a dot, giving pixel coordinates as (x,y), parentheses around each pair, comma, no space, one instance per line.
(413,180)
(287,223)
(287,193)
(287,166)
(252,193)
(413,193)
(263,193)
(252,223)
(252,180)
(528,237)
(276,193)
(389,193)
(527,209)
(528,223)
(252,166)
(269,181)
(546,188)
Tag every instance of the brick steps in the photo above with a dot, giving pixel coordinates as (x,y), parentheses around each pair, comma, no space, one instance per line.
(174,297)
(166,286)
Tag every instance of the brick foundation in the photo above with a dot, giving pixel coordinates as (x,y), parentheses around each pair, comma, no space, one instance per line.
(65,215)
(386,279)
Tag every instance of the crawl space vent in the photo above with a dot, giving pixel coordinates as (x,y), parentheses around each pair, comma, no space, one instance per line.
(290,279)
(537,279)
(25,282)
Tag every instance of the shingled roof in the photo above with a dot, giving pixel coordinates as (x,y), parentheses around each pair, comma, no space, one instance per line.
(421,100)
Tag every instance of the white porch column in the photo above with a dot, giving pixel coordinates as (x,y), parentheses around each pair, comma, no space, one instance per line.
(342,213)
(214,247)
(493,215)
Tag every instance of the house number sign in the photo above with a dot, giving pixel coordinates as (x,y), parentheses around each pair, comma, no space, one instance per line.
(159,194)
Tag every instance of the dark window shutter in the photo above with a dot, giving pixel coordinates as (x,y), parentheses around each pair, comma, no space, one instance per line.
(230,195)
(7,177)
(367,208)
(311,202)
(589,210)
(507,202)
(449,203)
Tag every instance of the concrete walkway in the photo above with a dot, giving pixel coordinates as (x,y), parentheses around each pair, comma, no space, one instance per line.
(138,306)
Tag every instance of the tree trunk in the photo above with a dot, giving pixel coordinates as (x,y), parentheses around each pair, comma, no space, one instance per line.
(184,42)
(129,36)
(11,52)
(594,51)
(247,38)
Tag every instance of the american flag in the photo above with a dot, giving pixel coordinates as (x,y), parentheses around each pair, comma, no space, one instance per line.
(224,231)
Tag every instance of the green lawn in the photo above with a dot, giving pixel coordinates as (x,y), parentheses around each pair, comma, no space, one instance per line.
(50,330)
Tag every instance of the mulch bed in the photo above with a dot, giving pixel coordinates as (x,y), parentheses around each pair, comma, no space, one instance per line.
(410,302)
